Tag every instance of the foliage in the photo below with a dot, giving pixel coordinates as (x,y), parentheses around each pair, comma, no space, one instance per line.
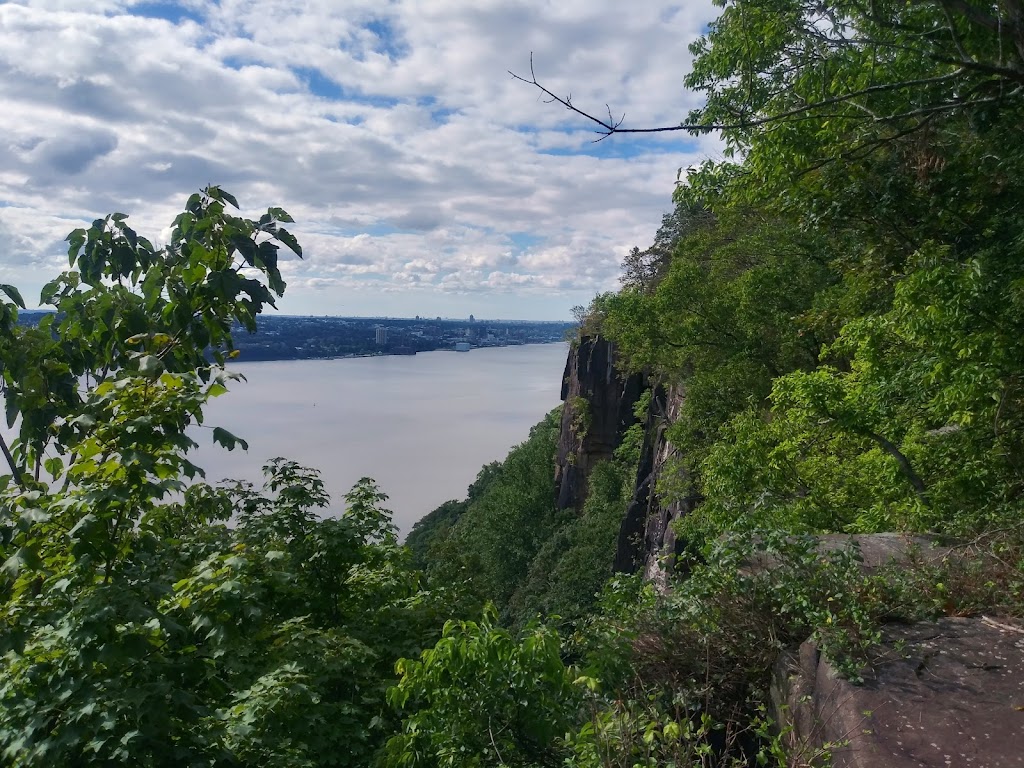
(204,643)
(567,575)
(490,548)
(483,697)
(131,308)
(136,625)
(507,532)
(838,303)
(434,527)
(797,84)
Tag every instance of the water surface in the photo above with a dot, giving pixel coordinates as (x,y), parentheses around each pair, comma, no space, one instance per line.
(421,426)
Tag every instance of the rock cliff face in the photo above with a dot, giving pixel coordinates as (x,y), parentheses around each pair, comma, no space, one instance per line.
(647,539)
(942,694)
(598,410)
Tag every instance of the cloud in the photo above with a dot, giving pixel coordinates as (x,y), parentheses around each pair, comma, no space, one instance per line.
(71,154)
(413,164)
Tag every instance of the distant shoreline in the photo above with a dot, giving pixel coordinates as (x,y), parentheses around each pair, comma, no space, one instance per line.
(358,356)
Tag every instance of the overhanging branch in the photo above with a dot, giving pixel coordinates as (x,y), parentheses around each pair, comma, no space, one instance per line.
(610,126)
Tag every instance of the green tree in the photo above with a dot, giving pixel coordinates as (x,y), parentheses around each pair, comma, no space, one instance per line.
(506,524)
(137,626)
(133,310)
(483,697)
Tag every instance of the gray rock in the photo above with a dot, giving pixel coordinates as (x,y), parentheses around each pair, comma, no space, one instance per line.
(876,550)
(942,694)
(594,385)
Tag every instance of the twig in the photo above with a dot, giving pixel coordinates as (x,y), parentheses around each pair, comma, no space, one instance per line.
(611,125)
(1000,625)
(497,751)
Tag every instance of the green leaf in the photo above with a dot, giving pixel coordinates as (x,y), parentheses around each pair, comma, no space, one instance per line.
(288,239)
(150,366)
(228,440)
(23,557)
(49,291)
(280,215)
(76,239)
(246,247)
(13,294)
(227,197)
(54,465)
(85,421)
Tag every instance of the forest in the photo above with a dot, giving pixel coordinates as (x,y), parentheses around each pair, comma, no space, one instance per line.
(840,301)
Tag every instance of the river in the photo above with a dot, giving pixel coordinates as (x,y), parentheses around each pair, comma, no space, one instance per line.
(421,426)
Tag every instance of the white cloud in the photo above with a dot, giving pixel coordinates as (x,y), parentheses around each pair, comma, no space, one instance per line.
(413,164)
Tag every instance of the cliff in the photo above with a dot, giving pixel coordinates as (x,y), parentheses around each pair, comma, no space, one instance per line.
(599,407)
(599,404)
(647,539)
(934,693)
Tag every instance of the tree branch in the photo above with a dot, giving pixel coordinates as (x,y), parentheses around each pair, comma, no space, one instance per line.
(904,463)
(611,125)
(10,462)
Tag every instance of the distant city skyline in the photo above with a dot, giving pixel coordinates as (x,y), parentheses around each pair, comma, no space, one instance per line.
(422,177)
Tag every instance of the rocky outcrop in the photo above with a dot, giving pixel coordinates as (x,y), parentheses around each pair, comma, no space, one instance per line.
(599,403)
(948,693)
(647,539)
(599,408)
(874,551)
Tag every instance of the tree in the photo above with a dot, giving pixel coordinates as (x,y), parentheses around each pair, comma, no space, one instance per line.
(132,312)
(136,625)
(884,69)
(483,697)
(846,329)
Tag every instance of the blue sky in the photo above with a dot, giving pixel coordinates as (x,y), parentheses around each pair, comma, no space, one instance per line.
(424,180)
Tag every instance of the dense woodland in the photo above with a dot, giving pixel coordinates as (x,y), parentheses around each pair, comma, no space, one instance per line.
(841,299)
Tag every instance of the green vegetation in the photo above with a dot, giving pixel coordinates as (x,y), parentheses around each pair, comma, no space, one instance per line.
(841,303)
(845,310)
(138,626)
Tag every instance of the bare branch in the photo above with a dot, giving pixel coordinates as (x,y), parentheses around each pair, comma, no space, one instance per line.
(611,126)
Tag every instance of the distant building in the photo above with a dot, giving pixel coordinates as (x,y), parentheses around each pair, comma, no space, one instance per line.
(472,319)
(462,346)
(382,337)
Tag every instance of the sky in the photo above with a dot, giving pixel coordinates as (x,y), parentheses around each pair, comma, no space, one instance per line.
(424,180)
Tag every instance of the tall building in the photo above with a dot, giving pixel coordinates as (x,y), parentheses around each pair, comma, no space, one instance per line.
(382,337)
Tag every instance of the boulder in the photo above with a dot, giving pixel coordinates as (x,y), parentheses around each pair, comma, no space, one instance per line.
(875,550)
(943,694)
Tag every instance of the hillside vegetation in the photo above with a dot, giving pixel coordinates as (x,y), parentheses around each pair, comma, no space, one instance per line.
(839,303)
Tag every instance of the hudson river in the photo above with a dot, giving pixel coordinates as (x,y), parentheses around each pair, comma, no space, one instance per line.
(421,426)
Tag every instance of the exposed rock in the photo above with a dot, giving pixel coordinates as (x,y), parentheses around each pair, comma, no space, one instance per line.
(875,550)
(646,538)
(598,410)
(942,694)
